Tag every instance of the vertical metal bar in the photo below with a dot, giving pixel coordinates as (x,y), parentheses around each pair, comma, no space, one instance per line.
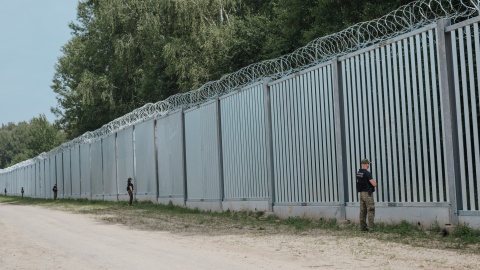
(398,172)
(275,106)
(362,115)
(466,110)
(428,151)
(376,83)
(420,131)
(284,128)
(357,110)
(413,116)
(473,105)
(321,119)
(219,152)
(458,89)
(345,66)
(328,125)
(267,105)
(296,139)
(476,143)
(382,88)
(302,138)
(317,142)
(391,148)
(370,126)
(448,106)
(340,135)
(291,142)
(333,179)
(309,137)
(326,129)
(437,167)
(407,122)
(355,113)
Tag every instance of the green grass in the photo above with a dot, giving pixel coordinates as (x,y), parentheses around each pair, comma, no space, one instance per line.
(158,217)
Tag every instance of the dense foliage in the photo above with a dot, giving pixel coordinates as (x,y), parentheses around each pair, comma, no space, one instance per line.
(19,142)
(125,53)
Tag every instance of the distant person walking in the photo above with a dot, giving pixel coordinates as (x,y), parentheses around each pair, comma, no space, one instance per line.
(130,190)
(5,191)
(55,189)
(366,186)
(22,191)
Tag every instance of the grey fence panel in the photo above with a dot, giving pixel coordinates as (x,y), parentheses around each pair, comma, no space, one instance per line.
(37,184)
(145,165)
(124,159)
(170,157)
(243,138)
(110,186)
(96,166)
(404,119)
(52,173)
(30,184)
(75,170)
(201,146)
(67,174)
(85,171)
(47,181)
(3,180)
(60,178)
(303,135)
(466,69)
(40,189)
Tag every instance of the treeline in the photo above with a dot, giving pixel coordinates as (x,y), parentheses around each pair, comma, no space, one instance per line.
(125,53)
(19,142)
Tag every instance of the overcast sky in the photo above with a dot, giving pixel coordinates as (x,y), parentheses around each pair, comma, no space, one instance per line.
(32,33)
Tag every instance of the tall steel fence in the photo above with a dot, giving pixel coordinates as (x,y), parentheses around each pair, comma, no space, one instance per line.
(290,142)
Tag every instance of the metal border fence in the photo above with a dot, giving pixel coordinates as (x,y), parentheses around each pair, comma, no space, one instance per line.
(286,135)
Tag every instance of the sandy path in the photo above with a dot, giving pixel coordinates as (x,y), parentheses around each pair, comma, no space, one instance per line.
(38,238)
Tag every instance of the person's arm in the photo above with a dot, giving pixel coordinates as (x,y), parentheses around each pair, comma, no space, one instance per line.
(374,184)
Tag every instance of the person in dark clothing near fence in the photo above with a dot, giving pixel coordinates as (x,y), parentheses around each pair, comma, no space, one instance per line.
(22,191)
(130,190)
(5,191)
(55,189)
(366,186)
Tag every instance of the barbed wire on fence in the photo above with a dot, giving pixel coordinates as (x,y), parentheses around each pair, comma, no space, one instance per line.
(361,35)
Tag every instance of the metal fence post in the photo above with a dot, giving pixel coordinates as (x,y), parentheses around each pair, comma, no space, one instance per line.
(269,143)
(220,155)
(339,135)
(450,124)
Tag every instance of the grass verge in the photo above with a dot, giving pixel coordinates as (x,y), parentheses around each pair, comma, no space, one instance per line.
(158,217)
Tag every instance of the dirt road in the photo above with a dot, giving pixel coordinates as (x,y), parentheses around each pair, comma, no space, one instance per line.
(38,238)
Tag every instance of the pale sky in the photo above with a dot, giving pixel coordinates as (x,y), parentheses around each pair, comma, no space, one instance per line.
(32,33)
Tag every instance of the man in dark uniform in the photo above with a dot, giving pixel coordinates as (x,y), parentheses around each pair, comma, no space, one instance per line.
(55,189)
(366,186)
(130,190)
(22,191)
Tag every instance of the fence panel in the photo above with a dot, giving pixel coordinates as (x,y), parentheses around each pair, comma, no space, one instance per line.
(202,153)
(96,166)
(52,173)
(304,137)
(110,188)
(59,175)
(145,168)
(75,171)
(85,171)
(124,159)
(394,118)
(466,70)
(170,158)
(67,174)
(243,140)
